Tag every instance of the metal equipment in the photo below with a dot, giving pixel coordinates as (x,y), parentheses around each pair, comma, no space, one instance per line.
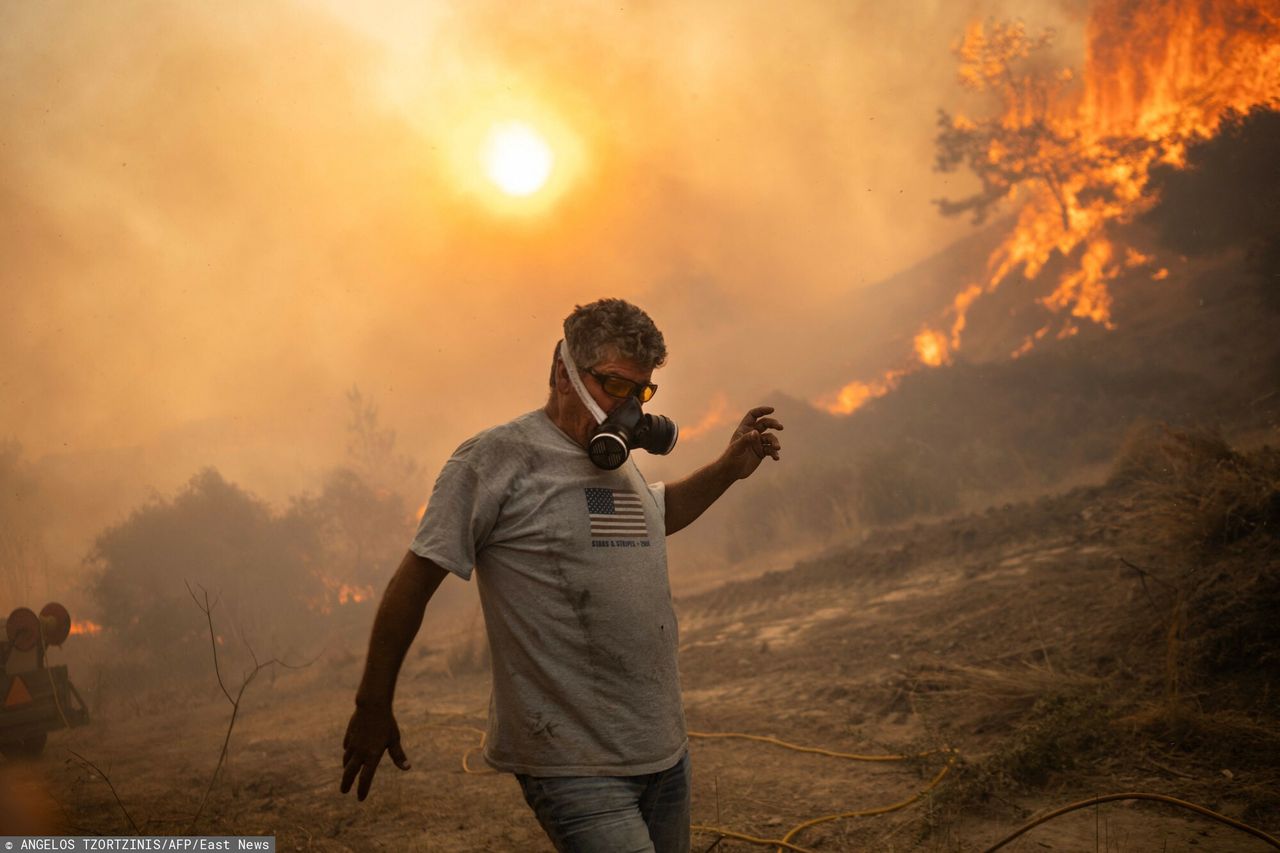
(35,699)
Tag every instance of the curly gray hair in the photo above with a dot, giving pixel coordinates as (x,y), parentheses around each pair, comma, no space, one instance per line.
(613,328)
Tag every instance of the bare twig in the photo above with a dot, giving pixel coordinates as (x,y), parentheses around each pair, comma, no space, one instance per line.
(1143,574)
(213,638)
(105,778)
(1148,574)
(207,607)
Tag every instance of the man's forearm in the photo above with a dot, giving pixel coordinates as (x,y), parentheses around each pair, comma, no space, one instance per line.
(396,624)
(688,498)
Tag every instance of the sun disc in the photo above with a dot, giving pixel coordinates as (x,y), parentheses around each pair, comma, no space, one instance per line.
(517,159)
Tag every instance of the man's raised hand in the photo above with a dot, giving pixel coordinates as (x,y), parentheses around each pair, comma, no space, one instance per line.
(753,440)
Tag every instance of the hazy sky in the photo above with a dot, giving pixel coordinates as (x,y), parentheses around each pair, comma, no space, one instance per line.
(215,218)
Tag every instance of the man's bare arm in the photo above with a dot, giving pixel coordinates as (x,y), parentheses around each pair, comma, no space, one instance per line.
(396,624)
(752,441)
(373,727)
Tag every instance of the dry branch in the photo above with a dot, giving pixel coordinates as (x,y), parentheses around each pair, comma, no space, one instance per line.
(207,608)
(105,778)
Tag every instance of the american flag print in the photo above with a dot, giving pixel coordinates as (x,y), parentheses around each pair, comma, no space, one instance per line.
(616,514)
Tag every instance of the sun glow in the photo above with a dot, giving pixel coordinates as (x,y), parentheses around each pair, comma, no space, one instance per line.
(517,158)
(510,150)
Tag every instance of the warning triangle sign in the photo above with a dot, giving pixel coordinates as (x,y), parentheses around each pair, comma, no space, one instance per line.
(18,693)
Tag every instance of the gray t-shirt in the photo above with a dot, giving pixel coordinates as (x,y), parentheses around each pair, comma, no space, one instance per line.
(571,562)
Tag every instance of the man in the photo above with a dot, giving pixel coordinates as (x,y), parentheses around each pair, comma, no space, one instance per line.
(569,544)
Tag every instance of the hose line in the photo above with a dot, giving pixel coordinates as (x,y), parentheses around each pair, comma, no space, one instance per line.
(1132,795)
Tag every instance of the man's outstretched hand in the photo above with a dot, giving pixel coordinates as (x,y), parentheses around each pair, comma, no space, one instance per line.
(752,441)
(371,732)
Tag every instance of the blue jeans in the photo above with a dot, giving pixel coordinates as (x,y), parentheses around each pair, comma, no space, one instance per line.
(613,814)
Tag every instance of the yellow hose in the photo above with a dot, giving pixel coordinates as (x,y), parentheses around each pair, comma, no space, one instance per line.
(1134,795)
(784,843)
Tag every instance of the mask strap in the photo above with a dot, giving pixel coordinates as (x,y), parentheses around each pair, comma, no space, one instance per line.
(576,380)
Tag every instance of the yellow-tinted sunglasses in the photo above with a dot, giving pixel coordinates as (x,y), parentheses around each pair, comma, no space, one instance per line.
(622,388)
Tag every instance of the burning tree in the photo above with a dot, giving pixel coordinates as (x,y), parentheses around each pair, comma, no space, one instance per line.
(354,532)
(1158,77)
(1024,141)
(1077,152)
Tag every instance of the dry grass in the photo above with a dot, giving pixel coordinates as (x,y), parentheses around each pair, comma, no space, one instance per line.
(1005,693)
(1060,732)
(1194,493)
(1204,519)
(1211,516)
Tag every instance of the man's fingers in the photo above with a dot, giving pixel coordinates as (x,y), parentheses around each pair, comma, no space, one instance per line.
(758,442)
(750,439)
(346,756)
(750,418)
(397,755)
(366,778)
(763,424)
(349,771)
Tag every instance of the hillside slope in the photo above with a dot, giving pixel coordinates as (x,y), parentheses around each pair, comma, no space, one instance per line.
(1112,638)
(1195,341)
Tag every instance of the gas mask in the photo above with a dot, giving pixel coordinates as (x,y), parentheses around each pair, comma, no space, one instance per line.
(622,430)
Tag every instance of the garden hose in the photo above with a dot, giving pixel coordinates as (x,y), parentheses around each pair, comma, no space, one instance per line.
(1159,798)
(786,841)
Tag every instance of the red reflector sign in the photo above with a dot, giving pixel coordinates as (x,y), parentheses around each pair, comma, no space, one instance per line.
(18,693)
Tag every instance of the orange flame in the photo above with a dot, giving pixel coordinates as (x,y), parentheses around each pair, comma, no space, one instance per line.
(853,396)
(84,626)
(712,418)
(1084,291)
(1027,345)
(1158,74)
(931,347)
(1171,70)
(339,592)
(348,594)
(960,307)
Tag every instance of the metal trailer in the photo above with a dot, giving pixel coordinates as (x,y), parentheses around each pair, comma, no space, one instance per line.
(35,699)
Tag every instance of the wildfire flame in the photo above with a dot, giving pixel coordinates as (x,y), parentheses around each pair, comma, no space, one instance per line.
(931,347)
(348,594)
(340,592)
(712,418)
(1158,75)
(84,626)
(851,397)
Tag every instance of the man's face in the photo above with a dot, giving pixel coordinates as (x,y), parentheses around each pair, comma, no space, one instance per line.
(616,366)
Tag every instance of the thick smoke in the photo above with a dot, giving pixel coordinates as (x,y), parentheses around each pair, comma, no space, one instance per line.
(218,220)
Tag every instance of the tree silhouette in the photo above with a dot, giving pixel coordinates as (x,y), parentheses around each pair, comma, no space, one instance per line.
(355,532)
(371,447)
(212,533)
(1025,141)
